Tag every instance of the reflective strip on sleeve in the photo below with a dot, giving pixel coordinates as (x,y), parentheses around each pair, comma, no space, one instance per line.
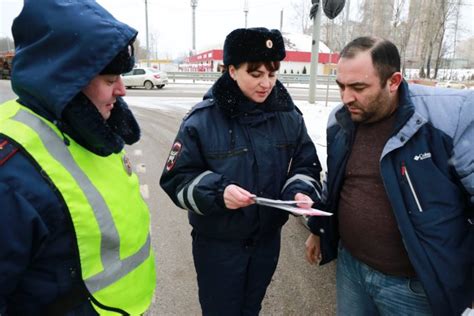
(188,190)
(306,179)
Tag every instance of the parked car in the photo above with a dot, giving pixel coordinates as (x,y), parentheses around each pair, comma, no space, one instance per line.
(145,77)
(451,84)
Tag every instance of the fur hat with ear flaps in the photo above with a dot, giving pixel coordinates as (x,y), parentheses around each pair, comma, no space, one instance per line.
(253,45)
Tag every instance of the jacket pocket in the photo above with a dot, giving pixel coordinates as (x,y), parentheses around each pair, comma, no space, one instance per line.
(226,154)
(406,176)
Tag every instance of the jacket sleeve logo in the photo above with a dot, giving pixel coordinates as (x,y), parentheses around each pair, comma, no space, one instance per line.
(174,152)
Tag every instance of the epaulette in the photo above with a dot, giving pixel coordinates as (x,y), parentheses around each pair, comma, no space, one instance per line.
(201,105)
(7,150)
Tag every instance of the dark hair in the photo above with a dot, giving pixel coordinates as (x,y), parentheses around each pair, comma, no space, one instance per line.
(254,65)
(385,55)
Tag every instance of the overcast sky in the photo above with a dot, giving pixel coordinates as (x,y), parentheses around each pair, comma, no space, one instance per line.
(170,21)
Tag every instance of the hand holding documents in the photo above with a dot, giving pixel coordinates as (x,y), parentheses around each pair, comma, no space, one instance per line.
(287,206)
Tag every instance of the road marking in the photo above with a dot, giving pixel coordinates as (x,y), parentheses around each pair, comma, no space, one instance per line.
(140,168)
(137,152)
(144,191)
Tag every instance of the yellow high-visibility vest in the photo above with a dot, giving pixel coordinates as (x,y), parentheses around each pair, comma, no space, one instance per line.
(111,220)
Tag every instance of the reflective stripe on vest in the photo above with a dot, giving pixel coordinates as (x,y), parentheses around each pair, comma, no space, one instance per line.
(112,272)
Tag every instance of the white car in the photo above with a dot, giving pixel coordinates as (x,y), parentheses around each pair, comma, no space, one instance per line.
(145,77)
(451,84)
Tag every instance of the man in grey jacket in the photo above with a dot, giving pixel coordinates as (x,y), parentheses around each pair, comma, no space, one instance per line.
(400,182)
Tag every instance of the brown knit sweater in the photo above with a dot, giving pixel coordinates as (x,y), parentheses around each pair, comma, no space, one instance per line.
(366,222)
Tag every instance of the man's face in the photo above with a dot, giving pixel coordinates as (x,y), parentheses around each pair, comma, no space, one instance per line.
(363,96)
(103,91)
(255,85)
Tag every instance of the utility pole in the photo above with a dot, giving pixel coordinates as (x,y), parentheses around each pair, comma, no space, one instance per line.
(246,11)
(147,42)
(346,29)
(194,5)
(281,20)
(314,53)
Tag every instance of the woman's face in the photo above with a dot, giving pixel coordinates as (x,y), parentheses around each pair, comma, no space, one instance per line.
(103,91)
(255,85)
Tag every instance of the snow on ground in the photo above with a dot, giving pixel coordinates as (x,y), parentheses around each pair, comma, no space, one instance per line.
(315,116)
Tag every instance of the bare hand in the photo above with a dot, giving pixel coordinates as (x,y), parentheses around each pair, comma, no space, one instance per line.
(313,249)
(235,197)
(306,201)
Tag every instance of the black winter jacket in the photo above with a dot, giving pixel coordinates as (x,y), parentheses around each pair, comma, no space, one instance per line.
(226,139)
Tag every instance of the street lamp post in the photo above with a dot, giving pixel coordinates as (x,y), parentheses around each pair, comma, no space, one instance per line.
(246,11)
(146,31)
(314,53)
(194,5)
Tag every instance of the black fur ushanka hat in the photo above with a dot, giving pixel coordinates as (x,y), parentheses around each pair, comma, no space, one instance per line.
(253,45)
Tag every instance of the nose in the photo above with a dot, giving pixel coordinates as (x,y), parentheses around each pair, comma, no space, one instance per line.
(266,82)
(119,89)
(347,96)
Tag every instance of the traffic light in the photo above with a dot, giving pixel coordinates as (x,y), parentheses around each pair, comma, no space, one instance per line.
(331,8)
(314,8)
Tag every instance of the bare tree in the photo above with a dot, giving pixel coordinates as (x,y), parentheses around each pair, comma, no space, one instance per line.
(466,51)
(301,18)
(6,44)
(140,51)
(438,13)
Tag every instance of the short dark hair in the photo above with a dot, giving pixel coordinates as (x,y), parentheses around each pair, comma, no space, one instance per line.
(385,55)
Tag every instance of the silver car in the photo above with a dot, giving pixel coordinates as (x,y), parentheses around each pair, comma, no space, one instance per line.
(145,77)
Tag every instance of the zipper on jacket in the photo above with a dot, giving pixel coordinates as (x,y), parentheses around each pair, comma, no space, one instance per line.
(410,184)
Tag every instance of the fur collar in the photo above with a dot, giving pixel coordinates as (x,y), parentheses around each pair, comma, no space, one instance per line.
(83,122)
(232,101)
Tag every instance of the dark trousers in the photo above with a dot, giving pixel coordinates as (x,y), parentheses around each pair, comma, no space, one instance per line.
(234,275)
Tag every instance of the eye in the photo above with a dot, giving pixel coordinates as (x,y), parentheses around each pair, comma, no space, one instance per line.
(272,75)
(358,88)
(255,74)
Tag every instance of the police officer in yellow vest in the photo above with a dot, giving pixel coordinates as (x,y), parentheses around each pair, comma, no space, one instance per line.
(74,229)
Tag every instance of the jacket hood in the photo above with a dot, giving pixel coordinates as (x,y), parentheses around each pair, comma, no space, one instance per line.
(61,45)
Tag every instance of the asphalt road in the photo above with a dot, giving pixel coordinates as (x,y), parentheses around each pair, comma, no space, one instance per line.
(296,289)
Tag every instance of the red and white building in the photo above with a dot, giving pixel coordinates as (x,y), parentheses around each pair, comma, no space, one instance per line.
(297,61)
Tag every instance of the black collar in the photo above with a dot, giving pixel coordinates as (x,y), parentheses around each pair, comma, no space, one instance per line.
(232,101)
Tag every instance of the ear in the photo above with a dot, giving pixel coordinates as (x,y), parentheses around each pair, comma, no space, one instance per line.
(394,81)
(232,70)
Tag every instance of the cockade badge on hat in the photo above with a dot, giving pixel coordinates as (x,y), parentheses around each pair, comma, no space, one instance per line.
(269,43)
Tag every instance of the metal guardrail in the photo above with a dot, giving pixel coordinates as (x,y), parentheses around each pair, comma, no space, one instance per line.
(213,76)
(329,82)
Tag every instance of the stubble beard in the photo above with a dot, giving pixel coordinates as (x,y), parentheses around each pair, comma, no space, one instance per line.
(376,110)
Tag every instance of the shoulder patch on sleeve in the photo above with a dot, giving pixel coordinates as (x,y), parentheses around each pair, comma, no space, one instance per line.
(173,156)
(7,150)
(201,105)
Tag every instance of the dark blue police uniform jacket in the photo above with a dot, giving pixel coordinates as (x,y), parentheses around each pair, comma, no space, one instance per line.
(264,148)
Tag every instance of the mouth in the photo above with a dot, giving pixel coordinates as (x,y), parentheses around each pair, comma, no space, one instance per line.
(353,109)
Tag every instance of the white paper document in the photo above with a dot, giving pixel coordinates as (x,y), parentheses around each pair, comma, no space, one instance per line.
(287,206)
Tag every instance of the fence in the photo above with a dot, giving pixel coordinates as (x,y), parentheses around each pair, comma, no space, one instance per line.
(284,78)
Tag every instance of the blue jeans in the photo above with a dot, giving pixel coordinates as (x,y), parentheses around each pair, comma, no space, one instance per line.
(363,291)
(233,276)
